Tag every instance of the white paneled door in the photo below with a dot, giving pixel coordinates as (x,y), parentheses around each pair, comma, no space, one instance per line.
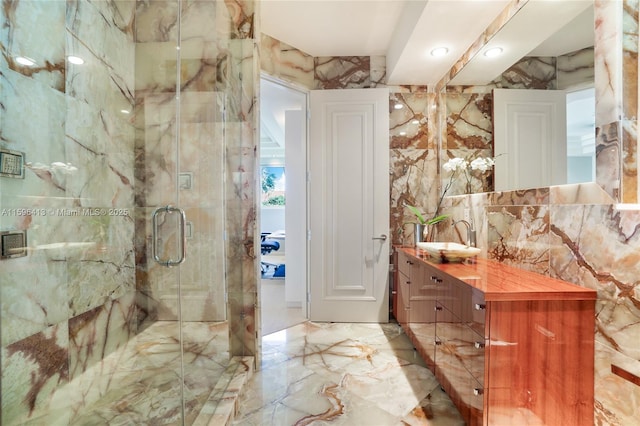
(530,138)
(349,205)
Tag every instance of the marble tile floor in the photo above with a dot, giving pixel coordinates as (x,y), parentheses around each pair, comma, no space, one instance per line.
(343,374)
(138,384)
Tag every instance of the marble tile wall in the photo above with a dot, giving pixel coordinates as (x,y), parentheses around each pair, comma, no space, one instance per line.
(71,297)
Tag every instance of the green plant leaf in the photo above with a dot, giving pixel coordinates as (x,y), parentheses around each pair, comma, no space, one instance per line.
(416,212)
(437,219)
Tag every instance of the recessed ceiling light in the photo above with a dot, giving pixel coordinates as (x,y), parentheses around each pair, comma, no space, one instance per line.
(125,111)
(23,60)
(398,106)
(439,51)
(415,122)
(495,51)
(75,60)
(403,133)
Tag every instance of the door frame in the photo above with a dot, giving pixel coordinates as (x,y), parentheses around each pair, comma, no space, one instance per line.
(305,257)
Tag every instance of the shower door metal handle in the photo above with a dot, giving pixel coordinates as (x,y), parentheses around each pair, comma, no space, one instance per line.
(183,236)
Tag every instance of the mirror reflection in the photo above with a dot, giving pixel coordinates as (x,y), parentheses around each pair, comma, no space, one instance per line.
(543,50)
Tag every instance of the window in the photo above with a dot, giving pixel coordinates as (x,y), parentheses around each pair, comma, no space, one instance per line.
(273,186)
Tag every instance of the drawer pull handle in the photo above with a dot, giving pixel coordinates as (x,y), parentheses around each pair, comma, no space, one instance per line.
(433,278)
(408,282)
(438,308)
(479,345)
(480,306)
(409,262)
(437,342)
(477,391)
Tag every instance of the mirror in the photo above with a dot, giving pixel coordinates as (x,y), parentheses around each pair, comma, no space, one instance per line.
(546,46)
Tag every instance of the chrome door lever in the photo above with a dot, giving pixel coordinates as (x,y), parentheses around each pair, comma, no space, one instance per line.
(382,237)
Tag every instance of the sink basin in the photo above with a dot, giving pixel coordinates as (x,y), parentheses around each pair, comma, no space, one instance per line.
(448,251)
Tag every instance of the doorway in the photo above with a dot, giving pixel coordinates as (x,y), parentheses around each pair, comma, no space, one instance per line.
(283,205)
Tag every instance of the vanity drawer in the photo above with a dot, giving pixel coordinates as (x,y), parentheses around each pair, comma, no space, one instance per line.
(461,348)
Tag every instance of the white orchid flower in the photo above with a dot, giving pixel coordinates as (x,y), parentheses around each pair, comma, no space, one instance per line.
(455,164)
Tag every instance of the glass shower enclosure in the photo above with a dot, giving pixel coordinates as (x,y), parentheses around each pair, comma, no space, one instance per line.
(112,277)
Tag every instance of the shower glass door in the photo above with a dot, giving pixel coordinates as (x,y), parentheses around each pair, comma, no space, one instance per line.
(112,287)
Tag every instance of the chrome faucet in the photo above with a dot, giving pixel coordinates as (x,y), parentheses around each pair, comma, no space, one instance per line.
(471,232)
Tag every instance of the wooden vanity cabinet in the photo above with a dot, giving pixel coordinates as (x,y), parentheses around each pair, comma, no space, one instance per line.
(508,346)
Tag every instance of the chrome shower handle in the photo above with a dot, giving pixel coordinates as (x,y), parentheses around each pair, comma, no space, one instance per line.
(183,236)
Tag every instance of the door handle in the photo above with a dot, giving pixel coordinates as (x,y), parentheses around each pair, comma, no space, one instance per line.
(183,236)
(382,237)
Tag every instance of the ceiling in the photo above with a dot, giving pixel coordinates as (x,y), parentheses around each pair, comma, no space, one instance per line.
(405,31)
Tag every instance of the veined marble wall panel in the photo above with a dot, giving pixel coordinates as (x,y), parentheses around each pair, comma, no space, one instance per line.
(588,241)
(597,246)
(342,72)
(630,12)
(32,370)
(285,62)
(378,71)
(469,135)
(156,153)
(92,337)
(241,249)
(608,158)
(529,73)
(105,269)
(156,21)
(519,236)
(35,29)
(413,161)
(579,193)
(469,121)
(33,122)
(608,61)
(100,145)
(34,290)
(201,150)
(576,69)
(241,184)
(411,183)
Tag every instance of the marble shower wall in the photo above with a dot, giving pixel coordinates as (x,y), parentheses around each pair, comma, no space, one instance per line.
(100,144)
(71,299)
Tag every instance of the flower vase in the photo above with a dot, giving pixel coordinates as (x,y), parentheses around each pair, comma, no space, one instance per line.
(418,233)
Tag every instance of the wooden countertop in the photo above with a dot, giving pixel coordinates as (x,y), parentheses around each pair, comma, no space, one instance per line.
(500,282)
